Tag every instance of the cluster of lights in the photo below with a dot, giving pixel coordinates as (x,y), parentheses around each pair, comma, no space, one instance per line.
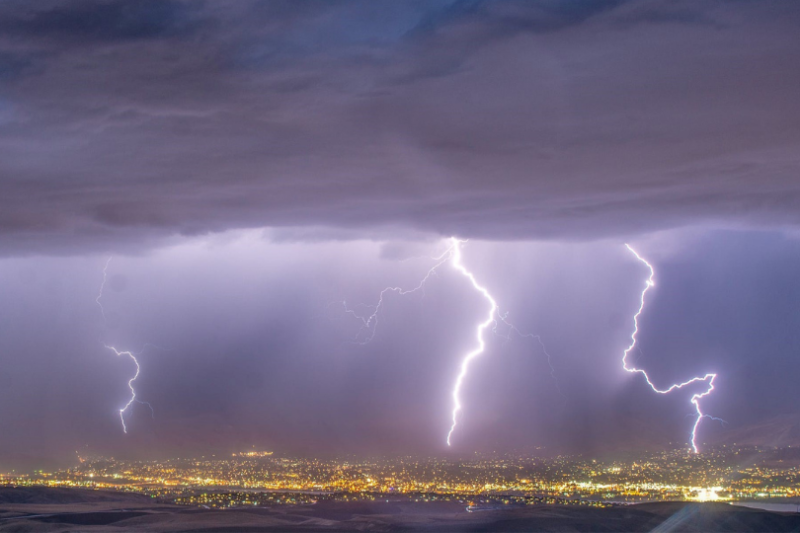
(724,473)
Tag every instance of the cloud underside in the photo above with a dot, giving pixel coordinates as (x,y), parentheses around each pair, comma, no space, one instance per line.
(122,127)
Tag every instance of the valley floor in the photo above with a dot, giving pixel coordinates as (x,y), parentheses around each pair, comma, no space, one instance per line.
(43,510)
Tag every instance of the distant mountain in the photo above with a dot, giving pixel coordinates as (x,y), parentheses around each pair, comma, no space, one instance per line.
(779,431)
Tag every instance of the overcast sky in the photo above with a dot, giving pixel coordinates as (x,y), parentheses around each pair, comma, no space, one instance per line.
(250,166)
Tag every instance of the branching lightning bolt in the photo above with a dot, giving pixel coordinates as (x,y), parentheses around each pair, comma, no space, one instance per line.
(492,318)
(370,323)
(708,378)
(451,254)
(479,331)
(504,319)
(130,386)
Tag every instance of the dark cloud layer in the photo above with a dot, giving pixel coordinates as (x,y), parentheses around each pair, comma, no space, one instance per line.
(122,124)
(87,23)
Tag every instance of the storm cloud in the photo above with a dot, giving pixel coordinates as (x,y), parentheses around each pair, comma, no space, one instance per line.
(124,124)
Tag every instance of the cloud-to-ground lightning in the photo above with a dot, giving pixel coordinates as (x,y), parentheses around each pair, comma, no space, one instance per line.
(121,353)
(452,254)
(479,331)
(130,385)
(708,378)
(492,318)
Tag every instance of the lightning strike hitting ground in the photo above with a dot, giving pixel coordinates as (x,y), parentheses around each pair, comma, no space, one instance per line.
(103,286)
(119,353)
(130,386)
(708,378)
(490,319)
(453,254)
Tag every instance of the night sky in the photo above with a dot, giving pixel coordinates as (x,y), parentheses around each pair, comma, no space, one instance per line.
(256,169)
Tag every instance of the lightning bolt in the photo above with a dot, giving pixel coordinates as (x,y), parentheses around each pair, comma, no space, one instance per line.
(130,385)
(370,323)
(504,319)
(103,286)
(708,378)
(452,254)
(479,331)
(121,353)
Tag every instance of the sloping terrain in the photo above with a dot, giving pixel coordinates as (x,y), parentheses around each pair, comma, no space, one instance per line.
(42,496)
(100,512)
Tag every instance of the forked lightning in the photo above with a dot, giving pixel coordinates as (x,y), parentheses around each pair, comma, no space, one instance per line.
(708,378)
(453,255)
